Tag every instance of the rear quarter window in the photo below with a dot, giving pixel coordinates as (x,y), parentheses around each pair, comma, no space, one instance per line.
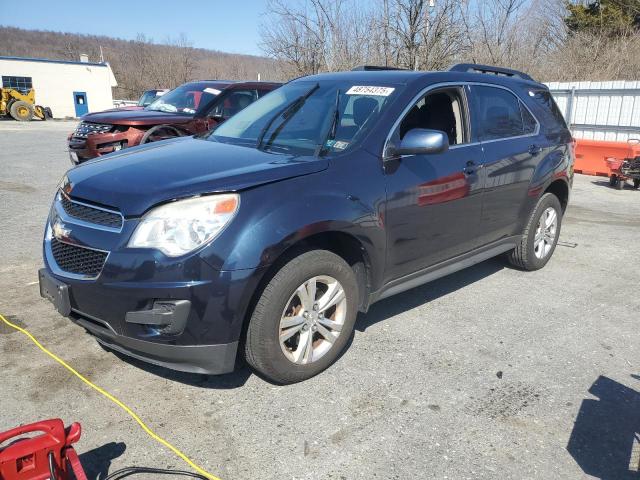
(552,117)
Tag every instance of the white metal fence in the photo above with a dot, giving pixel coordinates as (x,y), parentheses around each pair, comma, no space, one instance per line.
(600,110)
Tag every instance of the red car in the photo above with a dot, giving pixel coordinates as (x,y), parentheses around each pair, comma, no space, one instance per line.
(192,108)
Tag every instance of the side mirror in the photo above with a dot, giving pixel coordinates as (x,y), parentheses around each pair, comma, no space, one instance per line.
(420,141)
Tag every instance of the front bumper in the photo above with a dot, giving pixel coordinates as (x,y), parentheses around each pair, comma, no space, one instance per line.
(204,339)
(95,145)
(206,359)
(124,302)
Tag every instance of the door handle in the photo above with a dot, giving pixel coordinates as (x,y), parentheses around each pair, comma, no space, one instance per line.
(471,167)
(534,149)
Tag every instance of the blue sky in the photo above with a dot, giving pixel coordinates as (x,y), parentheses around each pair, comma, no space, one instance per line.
(214,24)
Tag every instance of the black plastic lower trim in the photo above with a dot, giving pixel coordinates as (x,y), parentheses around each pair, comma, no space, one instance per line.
(204,359)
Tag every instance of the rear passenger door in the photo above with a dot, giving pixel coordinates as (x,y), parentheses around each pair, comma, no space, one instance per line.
(509,135)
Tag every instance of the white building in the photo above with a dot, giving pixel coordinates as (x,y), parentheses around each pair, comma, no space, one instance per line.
(70,89)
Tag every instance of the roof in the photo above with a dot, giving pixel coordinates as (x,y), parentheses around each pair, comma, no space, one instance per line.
(404,77)
(47,60)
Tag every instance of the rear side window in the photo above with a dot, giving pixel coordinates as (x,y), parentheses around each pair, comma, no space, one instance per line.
(545,101)
(529,123)
(500,114)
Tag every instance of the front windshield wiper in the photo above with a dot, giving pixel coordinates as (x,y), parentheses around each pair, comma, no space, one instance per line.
(286,113)
(331,133)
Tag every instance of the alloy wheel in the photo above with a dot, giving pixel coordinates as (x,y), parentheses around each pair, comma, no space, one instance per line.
(545,233)
(312,320)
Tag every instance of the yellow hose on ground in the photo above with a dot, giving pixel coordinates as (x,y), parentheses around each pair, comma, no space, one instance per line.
(103,392)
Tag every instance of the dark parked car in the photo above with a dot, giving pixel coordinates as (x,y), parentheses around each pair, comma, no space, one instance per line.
(192,108)
(266,237)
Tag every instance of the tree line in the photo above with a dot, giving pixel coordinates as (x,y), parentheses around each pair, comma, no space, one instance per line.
(140,64)
(550,39)
(553,40)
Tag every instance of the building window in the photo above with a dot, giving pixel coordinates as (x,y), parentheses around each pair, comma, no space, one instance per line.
(18,83)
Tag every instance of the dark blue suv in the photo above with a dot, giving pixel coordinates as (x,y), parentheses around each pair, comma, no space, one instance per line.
(265,238)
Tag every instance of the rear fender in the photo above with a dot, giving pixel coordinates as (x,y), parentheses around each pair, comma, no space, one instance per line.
(554,166)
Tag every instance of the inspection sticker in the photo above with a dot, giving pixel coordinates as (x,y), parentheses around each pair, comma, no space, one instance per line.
(337,144)
(213,91)
(375,91)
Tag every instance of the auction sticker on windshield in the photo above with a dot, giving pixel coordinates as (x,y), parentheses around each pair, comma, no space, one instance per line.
(375,91)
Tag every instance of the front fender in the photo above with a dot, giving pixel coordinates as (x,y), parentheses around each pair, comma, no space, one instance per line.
(274,217)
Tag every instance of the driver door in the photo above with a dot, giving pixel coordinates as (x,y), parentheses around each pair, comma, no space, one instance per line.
(433,201)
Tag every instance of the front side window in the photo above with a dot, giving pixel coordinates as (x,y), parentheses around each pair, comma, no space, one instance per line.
(306,117)
(500,114)
(230,103)
(438,110)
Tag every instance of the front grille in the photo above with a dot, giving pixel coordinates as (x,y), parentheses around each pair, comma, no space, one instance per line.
(78,260)
(90,214)
(85,129)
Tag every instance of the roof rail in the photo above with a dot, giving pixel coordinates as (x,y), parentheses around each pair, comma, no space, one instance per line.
(373,68)
(477,68)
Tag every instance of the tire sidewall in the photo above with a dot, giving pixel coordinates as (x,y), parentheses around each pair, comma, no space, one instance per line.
(547,200)
(287,281)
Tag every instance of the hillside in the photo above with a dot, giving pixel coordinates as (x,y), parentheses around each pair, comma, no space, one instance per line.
(139,64)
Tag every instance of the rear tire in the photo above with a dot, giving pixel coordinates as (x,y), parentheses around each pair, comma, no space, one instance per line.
(613,180)
(21,111)
(286,305)
(636,183)
(540,235)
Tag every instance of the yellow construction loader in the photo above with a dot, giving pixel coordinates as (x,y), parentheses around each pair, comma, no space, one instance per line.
(21,105)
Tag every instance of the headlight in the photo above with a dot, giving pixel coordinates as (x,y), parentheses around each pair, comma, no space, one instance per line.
(180,227)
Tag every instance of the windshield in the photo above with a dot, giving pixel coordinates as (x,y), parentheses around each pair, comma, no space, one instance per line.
(186,99)
(307,117)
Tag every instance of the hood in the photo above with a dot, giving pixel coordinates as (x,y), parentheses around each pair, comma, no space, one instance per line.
(136,117)
(140,177)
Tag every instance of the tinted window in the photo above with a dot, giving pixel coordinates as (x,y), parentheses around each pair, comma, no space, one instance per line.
(498,113)
(527,120)
(544,99)
(232,102)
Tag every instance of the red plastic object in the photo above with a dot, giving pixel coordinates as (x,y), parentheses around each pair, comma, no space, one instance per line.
(27,457)
(591,155)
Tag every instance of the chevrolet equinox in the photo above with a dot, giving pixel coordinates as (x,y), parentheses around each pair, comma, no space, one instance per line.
(263,239)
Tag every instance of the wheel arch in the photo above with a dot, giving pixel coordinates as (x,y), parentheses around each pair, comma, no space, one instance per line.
(560,189)
(345,245)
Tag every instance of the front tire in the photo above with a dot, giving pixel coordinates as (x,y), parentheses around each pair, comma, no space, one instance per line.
(303,319)
(21,111)
(540,235)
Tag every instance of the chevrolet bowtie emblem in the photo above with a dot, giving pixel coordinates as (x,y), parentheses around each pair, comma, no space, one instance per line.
(59,230)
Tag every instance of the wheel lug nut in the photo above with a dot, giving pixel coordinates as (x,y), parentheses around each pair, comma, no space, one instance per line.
(305,314)
(315,307)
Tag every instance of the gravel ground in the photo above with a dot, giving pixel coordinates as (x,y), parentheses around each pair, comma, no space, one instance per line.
(487,373)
